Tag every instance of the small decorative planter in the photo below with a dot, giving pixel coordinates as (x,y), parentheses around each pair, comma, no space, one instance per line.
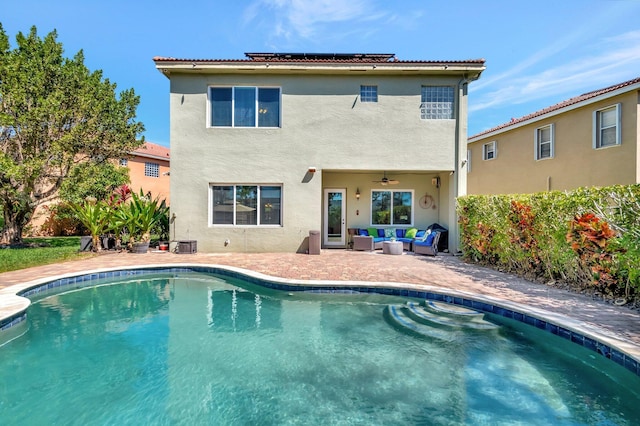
(140,247)
(163,246)
(85,243)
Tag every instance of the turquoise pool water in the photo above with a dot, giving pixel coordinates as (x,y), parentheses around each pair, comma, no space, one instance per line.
(200,349)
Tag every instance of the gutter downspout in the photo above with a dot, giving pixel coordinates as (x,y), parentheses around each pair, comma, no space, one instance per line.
(455,235)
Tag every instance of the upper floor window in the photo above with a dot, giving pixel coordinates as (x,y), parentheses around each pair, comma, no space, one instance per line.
(437,103)
(368,93)
(246,204)
(606,127)
(489,150)
(544,141)
(391,207)
(152,169)
(245,106)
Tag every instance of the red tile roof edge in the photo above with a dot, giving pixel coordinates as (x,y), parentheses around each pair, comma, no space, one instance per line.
(316,61)
(558,106)
(153,150)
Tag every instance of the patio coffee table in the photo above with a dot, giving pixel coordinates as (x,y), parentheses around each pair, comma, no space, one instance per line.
(392,247)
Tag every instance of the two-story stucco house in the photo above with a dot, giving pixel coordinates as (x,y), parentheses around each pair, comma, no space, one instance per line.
(589,140)
(269,148)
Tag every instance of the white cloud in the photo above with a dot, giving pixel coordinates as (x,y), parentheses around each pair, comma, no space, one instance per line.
(306,18)
(611,61)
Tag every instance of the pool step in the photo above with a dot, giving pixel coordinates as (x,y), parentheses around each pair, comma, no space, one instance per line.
(396,315)
(447,308)
(453,316)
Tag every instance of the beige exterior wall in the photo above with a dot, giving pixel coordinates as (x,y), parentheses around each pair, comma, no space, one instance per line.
(575,162)
(323,125)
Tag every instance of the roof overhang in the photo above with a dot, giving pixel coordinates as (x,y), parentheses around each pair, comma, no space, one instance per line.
(470,69)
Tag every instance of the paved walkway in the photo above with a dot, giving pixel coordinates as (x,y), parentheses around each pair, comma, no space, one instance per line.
(444,271)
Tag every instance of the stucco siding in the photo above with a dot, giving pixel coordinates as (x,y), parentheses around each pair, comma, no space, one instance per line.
(575,163)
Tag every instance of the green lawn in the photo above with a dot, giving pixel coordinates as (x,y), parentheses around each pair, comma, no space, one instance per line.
(41,251)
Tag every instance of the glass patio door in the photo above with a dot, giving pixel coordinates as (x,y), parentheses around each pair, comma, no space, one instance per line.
(334,217)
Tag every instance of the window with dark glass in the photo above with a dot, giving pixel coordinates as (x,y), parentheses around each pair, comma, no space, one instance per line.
(246,204)
(391,207)
(245,106)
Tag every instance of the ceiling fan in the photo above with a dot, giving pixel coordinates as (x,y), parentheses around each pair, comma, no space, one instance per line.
(386,181)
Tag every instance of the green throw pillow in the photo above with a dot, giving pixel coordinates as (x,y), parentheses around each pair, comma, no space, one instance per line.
(373,232)
(389,233)
(411,233)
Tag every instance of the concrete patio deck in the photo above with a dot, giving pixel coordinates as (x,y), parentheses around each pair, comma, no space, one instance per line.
(444,271)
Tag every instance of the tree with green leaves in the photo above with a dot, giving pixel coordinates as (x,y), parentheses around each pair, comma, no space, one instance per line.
(54,115)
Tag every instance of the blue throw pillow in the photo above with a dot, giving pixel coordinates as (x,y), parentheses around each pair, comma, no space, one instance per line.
(363,232)
(429,240)
(422,237)
(381,233)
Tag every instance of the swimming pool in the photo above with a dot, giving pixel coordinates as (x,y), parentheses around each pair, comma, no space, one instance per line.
(192,347)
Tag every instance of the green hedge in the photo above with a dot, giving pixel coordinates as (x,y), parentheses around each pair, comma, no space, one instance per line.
(589,237)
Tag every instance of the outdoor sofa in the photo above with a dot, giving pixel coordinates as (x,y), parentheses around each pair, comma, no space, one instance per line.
(373,238)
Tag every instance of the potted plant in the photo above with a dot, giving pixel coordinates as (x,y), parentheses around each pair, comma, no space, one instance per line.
(142,214)
(95,216)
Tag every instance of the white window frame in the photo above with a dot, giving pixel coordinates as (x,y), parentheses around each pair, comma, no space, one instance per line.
(152,169)
(490,147)
(368,93)
(468,161)
(234,210)
(538,142)
(597,136)
(392,191)
(257,109)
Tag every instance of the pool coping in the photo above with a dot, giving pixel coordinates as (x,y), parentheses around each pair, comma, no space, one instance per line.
(14,302)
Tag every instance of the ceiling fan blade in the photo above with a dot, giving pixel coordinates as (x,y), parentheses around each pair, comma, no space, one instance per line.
(393,182)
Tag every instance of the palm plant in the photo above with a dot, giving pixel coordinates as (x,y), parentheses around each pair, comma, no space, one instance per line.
(143,214)
(95,216)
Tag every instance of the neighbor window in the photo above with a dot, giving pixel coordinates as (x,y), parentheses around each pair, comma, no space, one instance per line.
(489,151)
(606,127)
(152,169)
(368,93)
(391,207)
(246,204)
(244,106)
(436,103)
(544,142)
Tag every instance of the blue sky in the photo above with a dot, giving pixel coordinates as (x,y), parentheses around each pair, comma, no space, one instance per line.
(537,53)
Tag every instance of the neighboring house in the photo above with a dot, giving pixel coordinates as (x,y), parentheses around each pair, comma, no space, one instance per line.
(269,148)
(589,140)
(149,170)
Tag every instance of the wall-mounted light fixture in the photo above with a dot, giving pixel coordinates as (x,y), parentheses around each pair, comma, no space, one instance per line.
(357,193)
(435,181)
(312,170)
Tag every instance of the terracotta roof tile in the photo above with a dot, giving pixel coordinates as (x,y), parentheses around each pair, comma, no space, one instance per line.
(354,58)
(558,106)
(154,150)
